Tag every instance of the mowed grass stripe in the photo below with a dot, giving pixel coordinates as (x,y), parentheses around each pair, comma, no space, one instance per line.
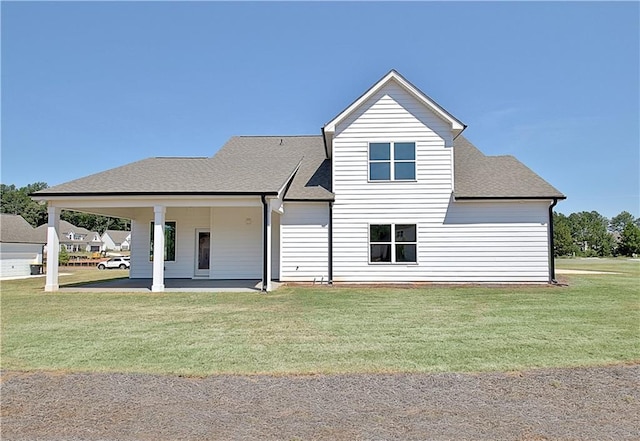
(305,330)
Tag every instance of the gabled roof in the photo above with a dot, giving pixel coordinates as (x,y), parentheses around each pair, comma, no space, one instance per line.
(64,228)
(245,165)
(14,229)
(477,176)
(118,236)
(329,128)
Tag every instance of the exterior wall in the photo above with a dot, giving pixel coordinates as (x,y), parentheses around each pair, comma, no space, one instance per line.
(236,242)
(236,245)
(457,242)
(16,258)
(304,242)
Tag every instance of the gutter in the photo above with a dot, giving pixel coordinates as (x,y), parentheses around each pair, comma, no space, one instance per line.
(330,257)
(552,260)
(265,213)
(324,140)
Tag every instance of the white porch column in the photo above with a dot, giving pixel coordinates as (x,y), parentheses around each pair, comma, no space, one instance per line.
(53,248)
(158,248)
(266,238)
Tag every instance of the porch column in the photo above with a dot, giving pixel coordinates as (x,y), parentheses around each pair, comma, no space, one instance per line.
(266,240)
(53,248)
(158,248)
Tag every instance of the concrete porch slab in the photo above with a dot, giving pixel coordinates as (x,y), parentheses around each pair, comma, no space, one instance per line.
(171,285)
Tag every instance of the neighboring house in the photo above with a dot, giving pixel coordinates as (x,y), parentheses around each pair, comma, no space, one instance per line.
(20,246)
(114,240)
(74,239)
(389,192)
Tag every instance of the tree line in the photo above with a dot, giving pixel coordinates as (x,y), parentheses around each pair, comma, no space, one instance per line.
(17,201)
(589,234)
(586,233)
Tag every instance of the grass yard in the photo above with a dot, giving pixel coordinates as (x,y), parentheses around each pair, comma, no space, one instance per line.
(593,321)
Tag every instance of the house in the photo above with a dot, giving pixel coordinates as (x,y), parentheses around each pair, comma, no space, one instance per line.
(114,240)
(20,246)
(390,191)
(74,239)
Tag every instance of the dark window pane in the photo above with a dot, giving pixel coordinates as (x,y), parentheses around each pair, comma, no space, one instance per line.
(405,233)
(169,241)
(404,170)
(379,151)
(404,151)
(380,233)
(405,253)
(381,253)
(379,171)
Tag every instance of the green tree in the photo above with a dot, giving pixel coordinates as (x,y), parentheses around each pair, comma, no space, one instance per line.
(589,231)
(17,201)
(630,240)
(562,240)
(620,221)
(63,256)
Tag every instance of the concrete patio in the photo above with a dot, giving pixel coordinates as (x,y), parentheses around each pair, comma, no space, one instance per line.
(171,285)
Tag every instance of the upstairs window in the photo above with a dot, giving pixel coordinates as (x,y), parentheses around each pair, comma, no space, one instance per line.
(392,243)
(392,161)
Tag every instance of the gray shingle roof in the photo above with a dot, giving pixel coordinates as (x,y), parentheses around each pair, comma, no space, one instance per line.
(263,164)
(14,229)
(483,177)
(244,165)
(118,236)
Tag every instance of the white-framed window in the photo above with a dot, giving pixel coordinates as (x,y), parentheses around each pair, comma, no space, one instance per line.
(393,243)
(169,242)
(392,161)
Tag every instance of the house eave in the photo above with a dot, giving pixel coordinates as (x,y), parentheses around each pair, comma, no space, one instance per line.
(508,198)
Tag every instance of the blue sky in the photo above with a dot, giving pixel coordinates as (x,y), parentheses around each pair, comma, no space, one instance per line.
(91,86)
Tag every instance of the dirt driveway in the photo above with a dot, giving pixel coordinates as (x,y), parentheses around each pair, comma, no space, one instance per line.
(550,404)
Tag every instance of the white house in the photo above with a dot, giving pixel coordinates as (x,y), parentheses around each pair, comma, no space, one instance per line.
(20,246)
(73,238)
(389,192)
(114,240)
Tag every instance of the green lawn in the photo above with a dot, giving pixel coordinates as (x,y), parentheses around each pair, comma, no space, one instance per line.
(593,321)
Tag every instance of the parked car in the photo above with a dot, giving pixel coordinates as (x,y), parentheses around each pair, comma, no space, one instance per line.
(115,262)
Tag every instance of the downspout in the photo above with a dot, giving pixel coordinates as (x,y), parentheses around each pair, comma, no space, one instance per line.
(265,213)
(330,232)
(552,260)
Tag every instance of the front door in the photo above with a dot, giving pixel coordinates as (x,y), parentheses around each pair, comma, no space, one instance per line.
(203,253)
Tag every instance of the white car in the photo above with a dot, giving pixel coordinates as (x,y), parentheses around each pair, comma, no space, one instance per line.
(115,262)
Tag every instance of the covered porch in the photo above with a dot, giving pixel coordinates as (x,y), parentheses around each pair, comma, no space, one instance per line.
(205,243)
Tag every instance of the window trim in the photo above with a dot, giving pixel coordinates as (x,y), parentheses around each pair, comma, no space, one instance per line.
(175,241)
(392,243)
(392,161)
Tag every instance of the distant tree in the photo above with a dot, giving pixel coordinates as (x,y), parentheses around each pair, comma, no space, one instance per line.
(17,201)
(63,256)
(617,223)
(629,240)
(562,240)
(589,232)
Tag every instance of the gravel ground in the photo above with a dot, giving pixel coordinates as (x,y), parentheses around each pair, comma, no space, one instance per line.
(548,404)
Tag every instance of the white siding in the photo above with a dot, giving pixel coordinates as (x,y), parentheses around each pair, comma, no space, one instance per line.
(304,242)
(236,242)
(16,258)
(470,242)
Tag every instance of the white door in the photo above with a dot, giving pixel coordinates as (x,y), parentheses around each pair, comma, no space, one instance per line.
(203,253)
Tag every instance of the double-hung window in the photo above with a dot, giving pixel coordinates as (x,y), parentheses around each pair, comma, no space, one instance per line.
(392,243)
(169,242)
(392,161)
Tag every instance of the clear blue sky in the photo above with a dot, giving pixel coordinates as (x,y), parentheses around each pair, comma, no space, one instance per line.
(91,86)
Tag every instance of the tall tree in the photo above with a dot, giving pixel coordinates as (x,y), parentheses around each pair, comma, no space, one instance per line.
(620,221)
(630,240)
(589,231)
(562,240)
